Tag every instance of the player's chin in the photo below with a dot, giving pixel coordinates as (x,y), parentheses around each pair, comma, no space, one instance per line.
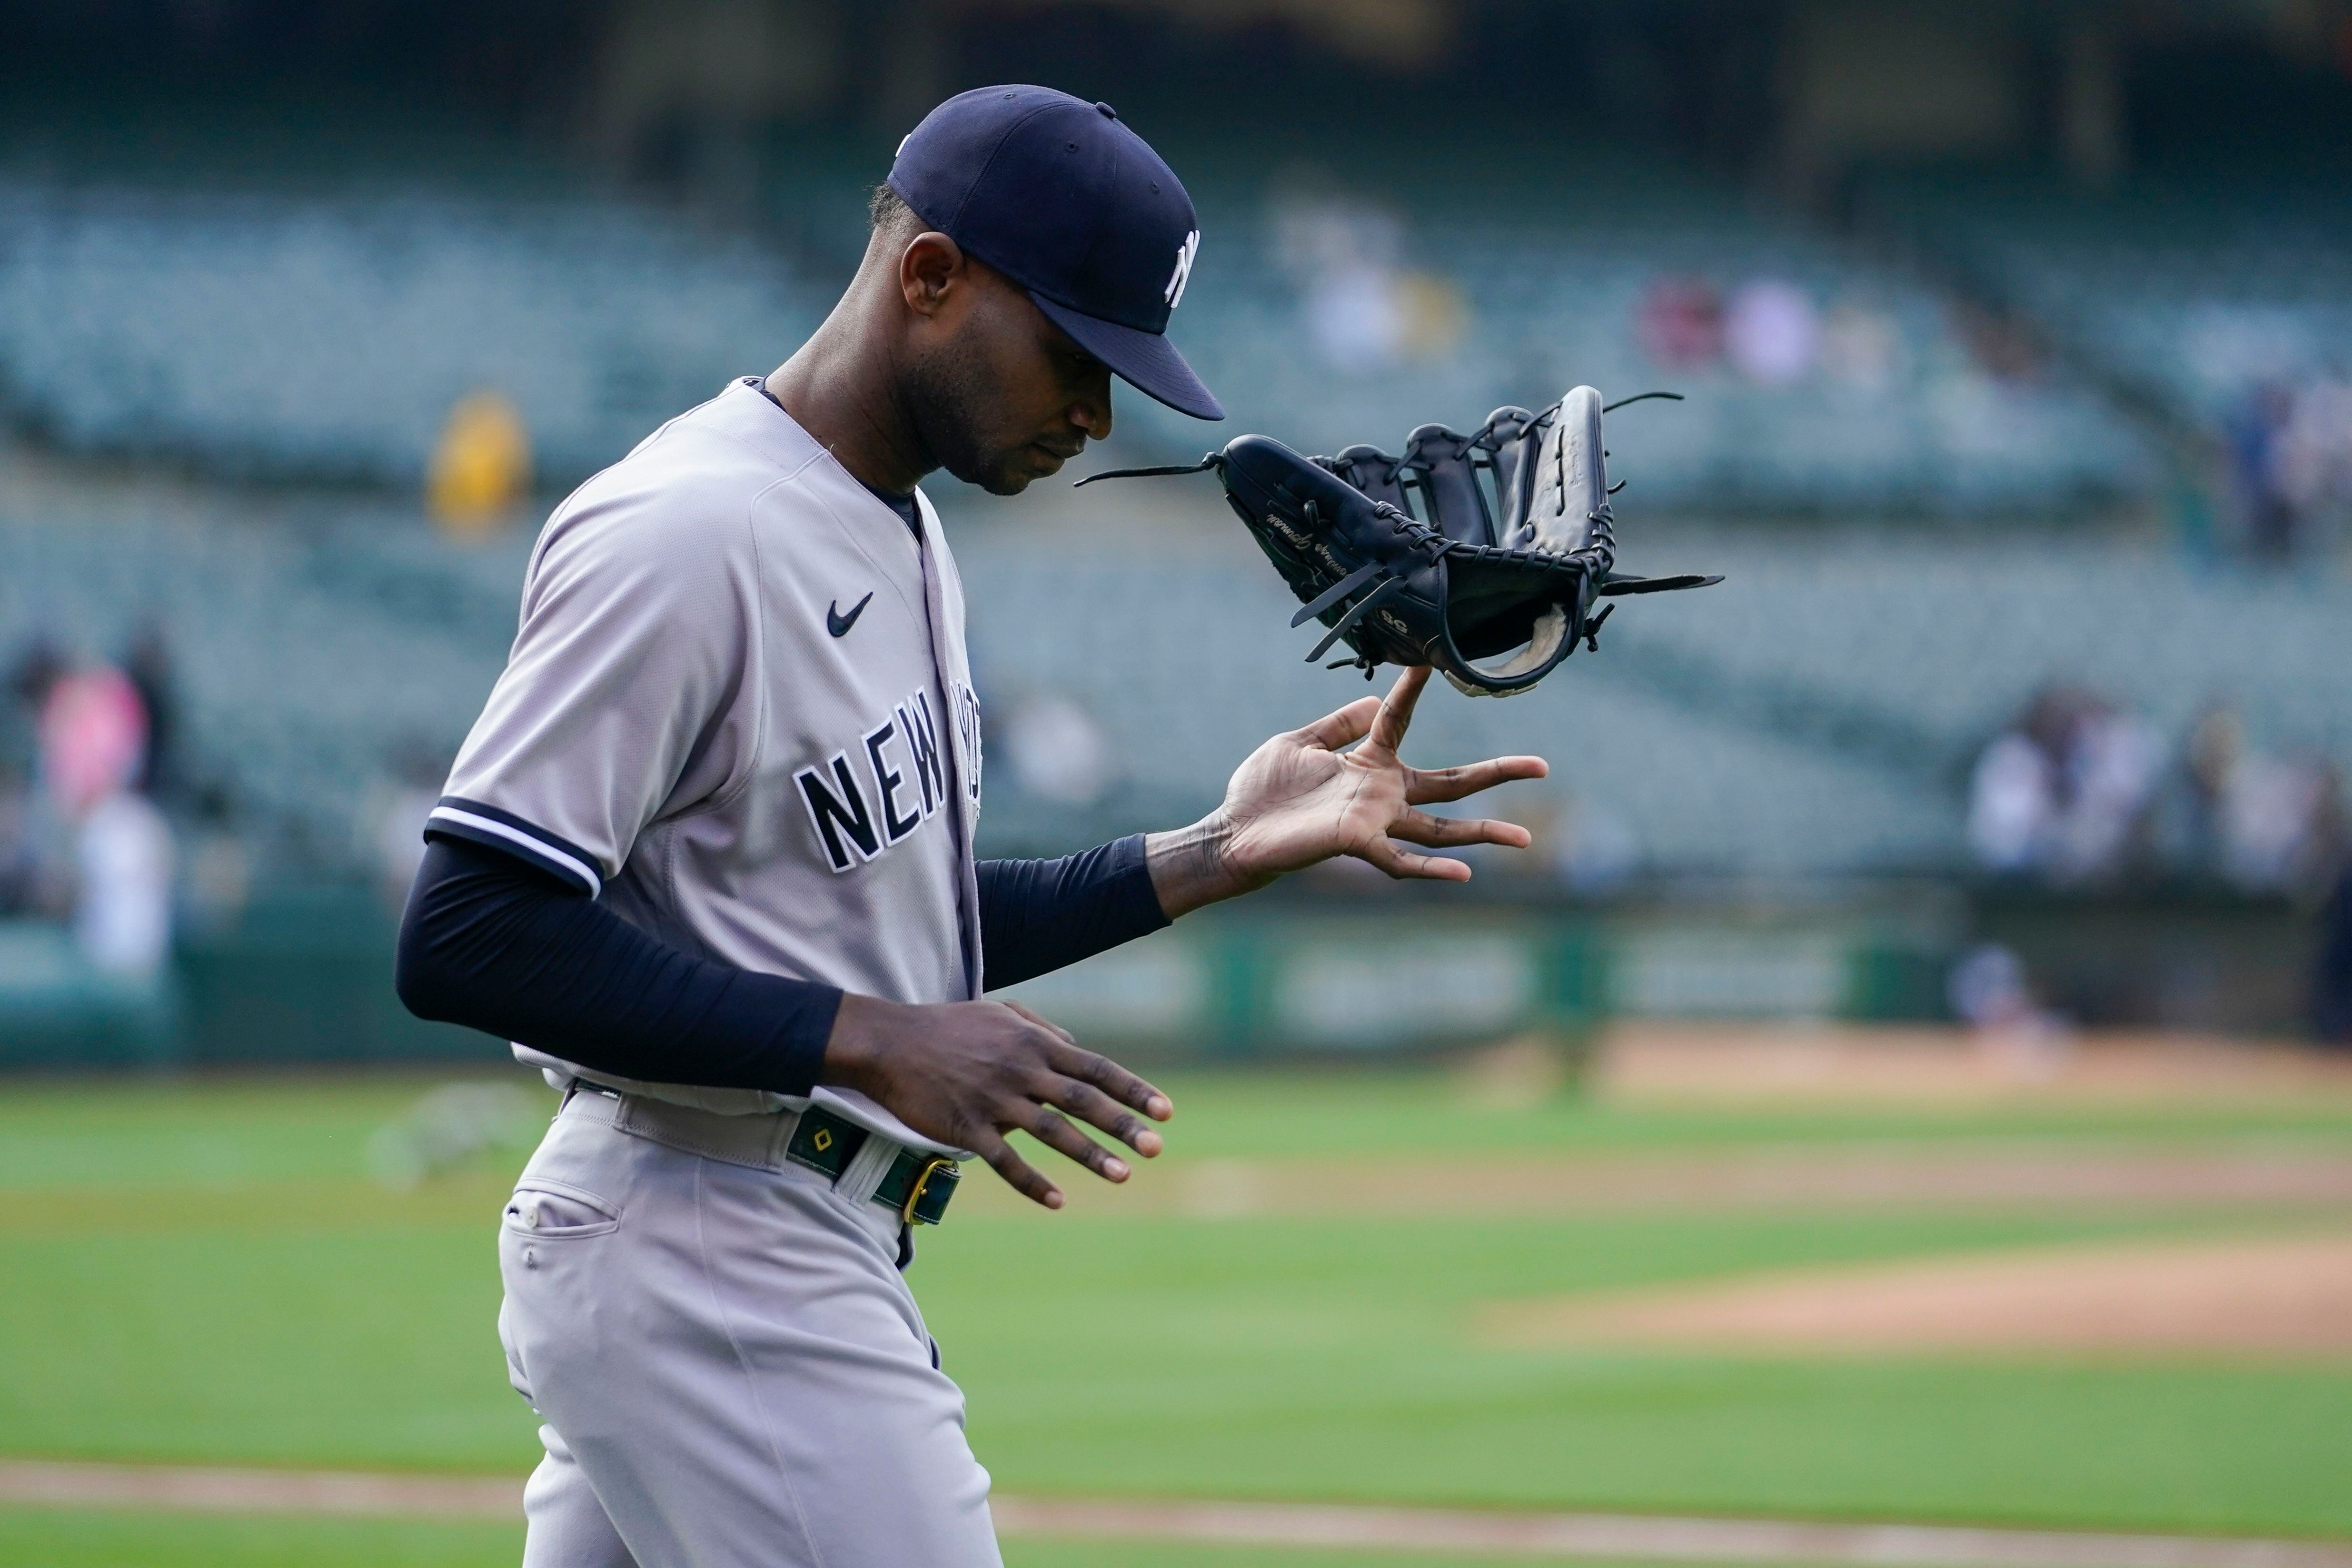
(1017,470)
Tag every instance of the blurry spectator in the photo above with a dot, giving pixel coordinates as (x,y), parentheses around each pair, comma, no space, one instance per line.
(481,466)
(2011,799)
(2064,792)
(148,663)
(1537,810)
(1433,313)
(2111,763)
(1363,310)
(1355,319)
(1343,257)
(33,880)
(93,738)
(394,819)
(1862,347)
(1679,323)
(35,669)
(1772,333)
(122,907)
(20,865)
(1574,844)
(2266,514)
(1989,991)
(2263,823)
(2001,345)
(2188,817)
(2290,461)
(1058,750)
(1364,319)
(2277,822)
(219,876)
(1596,850)
(2313,455)
(400,844)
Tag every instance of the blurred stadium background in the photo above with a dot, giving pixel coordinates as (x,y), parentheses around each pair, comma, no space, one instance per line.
(1980,848)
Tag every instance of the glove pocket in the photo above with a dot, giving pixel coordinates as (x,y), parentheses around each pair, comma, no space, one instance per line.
(1493,607)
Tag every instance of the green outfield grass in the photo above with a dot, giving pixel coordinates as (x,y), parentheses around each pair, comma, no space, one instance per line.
(205,1273)
(233,1132)
(40,1537)
(74,1537)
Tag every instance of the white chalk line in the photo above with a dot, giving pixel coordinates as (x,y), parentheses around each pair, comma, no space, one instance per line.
(1613,1537)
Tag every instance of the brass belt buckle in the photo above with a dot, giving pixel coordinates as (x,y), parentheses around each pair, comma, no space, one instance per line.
(931,1167)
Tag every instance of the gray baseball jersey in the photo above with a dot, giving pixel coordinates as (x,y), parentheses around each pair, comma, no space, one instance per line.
(739,710)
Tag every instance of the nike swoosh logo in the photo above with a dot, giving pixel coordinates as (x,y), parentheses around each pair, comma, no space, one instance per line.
(838,623)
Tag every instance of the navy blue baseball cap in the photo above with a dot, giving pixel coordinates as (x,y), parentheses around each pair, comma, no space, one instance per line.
(1063,199)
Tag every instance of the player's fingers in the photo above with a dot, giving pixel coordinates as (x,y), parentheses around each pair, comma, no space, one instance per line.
(1047,1024)
(1055,1133)
(1448,833)
(1427,784)
(1101,1072)
(1343,728)
(1091,1104)
(1395,716)
(1404,865)
(1018,1174)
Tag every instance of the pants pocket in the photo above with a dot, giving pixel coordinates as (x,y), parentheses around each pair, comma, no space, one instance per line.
(556,1211)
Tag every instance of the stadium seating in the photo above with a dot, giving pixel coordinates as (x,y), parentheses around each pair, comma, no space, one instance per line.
(330,335)
(266,331)
(1815,715)
(1553,283)
(2192,288)
(306,648)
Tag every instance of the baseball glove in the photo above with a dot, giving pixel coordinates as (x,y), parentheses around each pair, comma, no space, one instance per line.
(1466,548)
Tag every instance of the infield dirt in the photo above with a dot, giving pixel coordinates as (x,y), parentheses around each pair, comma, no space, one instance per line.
(1832,1180)
(2285,1298)
(1644,1063)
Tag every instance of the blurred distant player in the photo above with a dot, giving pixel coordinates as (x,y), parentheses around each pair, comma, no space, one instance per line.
(706,858)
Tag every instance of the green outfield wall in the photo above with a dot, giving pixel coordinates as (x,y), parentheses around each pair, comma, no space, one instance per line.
(306,976)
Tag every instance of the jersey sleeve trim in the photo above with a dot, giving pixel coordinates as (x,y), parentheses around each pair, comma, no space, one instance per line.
(486,825)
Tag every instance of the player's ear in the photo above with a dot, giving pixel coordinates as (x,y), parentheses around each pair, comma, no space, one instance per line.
(928,270)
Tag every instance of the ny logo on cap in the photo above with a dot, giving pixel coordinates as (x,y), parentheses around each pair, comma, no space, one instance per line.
(1174,292)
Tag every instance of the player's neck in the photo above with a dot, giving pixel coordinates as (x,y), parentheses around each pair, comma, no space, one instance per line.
(842,389)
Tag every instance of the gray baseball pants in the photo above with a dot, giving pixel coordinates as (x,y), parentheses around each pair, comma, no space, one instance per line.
(731,1372)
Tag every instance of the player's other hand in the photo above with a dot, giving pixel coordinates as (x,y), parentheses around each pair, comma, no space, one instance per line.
(1316,793)
(967,1073)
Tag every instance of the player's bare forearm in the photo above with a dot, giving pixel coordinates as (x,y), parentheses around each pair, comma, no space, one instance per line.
(966,1073)
(1189,866)
(1313,793)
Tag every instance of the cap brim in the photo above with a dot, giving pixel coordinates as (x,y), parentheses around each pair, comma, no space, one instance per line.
(1145,361)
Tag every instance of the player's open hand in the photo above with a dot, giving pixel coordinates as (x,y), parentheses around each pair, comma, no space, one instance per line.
(966,1073)
(1336,787)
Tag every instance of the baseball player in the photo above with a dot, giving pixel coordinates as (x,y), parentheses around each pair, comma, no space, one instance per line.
(707,857)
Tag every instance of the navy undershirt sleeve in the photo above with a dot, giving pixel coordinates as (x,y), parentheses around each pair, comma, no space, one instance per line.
(496,944)
(1037,916)
(499,945)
